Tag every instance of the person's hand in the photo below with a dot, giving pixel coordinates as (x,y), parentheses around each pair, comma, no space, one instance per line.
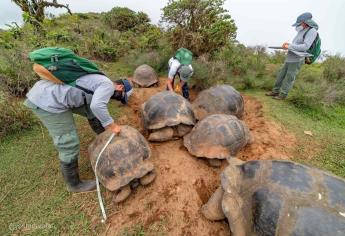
(285,45)
(170,86)
(116,129)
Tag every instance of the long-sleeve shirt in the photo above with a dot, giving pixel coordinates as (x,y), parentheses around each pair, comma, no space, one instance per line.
(174,66)
(58,98)
(300,45)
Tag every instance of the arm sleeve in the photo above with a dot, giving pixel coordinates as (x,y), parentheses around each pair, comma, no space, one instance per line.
(308,41)
(173,70)
(99,102)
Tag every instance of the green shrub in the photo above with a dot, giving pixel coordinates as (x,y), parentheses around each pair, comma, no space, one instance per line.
(124,19)
(242,60)
(203,26)
(16,71)
(278,57)
(14,116)
(334,68)
(156,58)
(309,88)
(208,73)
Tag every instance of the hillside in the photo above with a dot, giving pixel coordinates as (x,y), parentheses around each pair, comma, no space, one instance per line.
(308,127)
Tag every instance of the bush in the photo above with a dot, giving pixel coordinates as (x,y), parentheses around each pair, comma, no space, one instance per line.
(16,72)
(202,26)
(208,73)
(241,60)
(14,115)
(334,68)
(124,19)
(156,58)
(309,88)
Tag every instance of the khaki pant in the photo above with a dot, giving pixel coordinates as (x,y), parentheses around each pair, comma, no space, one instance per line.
(286,77)
(62,129)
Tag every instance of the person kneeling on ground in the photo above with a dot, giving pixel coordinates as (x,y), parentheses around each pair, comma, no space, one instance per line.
(307,33)
(180,65)
(54,104)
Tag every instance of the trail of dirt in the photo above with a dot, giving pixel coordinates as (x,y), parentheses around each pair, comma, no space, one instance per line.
(170,205)
(269,140)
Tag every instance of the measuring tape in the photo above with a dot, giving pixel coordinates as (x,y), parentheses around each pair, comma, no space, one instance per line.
(100,200)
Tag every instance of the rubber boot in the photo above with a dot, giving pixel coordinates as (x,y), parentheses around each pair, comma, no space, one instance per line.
(185,91)
(70,174)
(96,125)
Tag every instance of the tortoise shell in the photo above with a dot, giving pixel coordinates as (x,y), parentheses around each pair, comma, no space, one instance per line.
(126,158)
(221,99)
(145,76)
(217,136)
(167,109)
(282,198)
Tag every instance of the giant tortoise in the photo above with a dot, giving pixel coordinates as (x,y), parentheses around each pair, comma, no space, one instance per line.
(124,163)
(145,76)
(167,115)
(268,197)
(217,137)
(221,99)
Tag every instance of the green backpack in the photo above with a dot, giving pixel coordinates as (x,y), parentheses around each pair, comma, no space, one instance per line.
(64,64)
(184,56)
(315,49)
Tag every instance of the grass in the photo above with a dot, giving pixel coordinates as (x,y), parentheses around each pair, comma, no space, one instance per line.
(33,198)
(326,148)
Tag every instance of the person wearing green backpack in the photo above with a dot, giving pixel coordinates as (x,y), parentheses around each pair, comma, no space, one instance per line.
(180,65)
(307,40)
(72,85)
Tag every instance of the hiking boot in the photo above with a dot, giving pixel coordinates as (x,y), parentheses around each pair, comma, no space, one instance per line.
(70,174)
(279,97)
(273,94)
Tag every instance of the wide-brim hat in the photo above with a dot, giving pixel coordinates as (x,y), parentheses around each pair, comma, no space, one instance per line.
(185,72)
(302,18)
(312,24)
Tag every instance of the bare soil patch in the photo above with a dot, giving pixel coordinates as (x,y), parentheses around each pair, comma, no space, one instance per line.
(171,204)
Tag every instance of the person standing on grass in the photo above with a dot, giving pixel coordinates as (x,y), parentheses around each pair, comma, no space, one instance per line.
(306,29)
(180,65)
(55,102)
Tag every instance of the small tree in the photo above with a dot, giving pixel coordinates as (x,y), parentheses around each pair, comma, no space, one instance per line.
(200,25)
(33,10)
(124,19)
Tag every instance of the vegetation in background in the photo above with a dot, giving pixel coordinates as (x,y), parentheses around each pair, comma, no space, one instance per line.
(202,26)
(124,19)
(127,38)
(16,74)
(14,117)
(34,10)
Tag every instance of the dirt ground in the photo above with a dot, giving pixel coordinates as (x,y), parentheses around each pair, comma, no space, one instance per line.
(170,205)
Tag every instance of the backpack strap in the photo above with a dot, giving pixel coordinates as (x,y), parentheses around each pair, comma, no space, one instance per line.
(84,89)
(178,68)
(305,34)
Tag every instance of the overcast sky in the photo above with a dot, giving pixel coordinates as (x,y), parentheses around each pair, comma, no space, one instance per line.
(259,22)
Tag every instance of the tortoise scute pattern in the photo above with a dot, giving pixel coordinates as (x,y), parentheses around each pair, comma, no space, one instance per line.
(282,198)
(126,158)
(167,109)
(221,99)
(145,76)
(217,136)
